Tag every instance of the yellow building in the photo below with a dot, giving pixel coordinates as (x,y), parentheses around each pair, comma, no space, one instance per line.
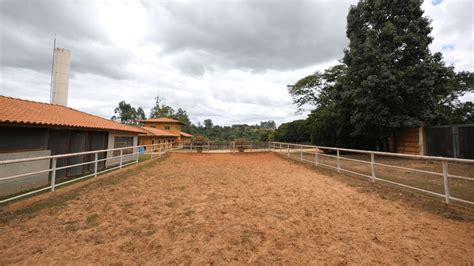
(163,130)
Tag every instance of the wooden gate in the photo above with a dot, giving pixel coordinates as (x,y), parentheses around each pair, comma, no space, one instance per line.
(450,141)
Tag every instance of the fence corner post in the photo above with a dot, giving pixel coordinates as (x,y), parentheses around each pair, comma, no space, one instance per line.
(372,165)
(338,161)
(316,159)
(446,181)
(53,174)
(96,160)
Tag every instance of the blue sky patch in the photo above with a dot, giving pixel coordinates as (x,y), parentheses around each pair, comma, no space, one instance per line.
(436,2)
(448,47)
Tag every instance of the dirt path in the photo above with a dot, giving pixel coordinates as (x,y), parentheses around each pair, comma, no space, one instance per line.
(232,208)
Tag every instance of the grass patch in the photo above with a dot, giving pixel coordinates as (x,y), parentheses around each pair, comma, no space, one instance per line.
(92,219)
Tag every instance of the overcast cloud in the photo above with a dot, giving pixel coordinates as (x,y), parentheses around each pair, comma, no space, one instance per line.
(225,60)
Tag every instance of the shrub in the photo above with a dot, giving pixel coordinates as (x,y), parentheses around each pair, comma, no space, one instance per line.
(241,144)
(199,141)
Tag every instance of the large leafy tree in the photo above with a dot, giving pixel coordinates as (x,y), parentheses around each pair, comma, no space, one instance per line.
(127,114)
(391,74)
(293,132)
(388,80)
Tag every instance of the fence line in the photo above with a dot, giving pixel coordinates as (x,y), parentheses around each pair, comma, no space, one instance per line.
(230,146)
(303,150)
(118,158)
(127,156)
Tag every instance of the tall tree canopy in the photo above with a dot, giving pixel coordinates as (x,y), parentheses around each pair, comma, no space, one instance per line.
(127,114)
(160,109)
(388,80)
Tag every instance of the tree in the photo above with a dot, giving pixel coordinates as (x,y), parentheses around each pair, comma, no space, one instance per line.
(268,124)
(208,123)
(388,80)
(293,132)
(140,114)
(392,78)
(127,114)
(161,110)
(182,115)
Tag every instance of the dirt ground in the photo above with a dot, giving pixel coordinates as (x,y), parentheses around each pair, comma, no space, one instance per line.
(231,208)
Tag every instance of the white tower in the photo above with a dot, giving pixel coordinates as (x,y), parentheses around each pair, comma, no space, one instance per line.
(60,76)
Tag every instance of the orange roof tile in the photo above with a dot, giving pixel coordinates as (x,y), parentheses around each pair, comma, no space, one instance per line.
(150,131)
(161,120)
(24,112)
(184,134)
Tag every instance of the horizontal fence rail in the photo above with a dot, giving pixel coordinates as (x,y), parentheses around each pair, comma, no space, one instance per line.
(110,159)
(438,176)
(226,146)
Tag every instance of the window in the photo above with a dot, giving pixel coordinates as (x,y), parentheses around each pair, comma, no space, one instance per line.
(120,142)
(167,127)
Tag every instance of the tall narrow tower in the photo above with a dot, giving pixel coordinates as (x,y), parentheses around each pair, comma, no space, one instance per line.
(60,76)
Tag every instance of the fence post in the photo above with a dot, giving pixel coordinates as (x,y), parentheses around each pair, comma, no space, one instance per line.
(288,150)
(301,153)
(372,165)
(338,161)
(152,150)
(280,147)
(446,181)
(159,150)
(53,174)
(138,154)
(96,159)
(191,147)
(316,157)
(121,158)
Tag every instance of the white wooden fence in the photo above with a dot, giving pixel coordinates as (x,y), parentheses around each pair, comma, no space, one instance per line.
(314,154)
(126,156)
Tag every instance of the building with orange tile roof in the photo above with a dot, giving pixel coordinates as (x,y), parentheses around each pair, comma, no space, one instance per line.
(163,130)
(30,129)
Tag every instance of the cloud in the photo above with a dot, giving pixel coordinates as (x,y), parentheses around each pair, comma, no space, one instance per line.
(28,28)
(228,61)
(453,32)
(250,35)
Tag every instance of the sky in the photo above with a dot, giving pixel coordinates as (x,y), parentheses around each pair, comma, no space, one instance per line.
(229,61)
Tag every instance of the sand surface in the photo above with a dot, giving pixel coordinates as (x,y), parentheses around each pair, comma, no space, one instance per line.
(233,208)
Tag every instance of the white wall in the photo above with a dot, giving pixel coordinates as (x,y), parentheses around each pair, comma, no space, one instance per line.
(12,186)
(110,145)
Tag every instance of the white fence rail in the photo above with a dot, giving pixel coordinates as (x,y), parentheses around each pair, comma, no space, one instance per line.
(113,159)
(449,178)
(227,146)
(399,168)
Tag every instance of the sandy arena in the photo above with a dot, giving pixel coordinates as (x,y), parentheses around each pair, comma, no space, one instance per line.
(230,208)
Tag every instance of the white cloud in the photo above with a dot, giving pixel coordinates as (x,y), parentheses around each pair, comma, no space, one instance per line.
(228,62)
